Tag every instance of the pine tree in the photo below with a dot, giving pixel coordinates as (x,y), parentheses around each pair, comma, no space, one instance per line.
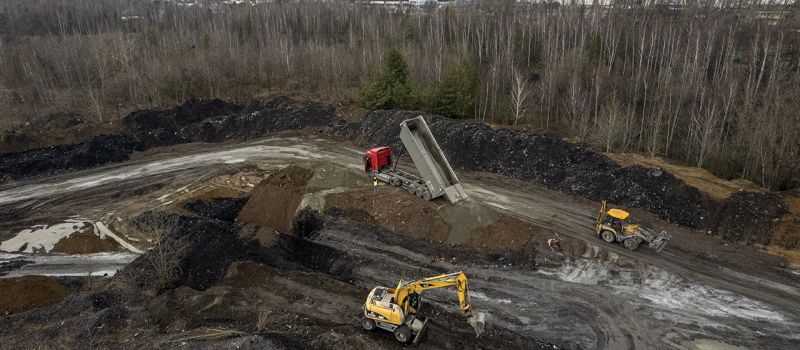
(455,96)
(391,87)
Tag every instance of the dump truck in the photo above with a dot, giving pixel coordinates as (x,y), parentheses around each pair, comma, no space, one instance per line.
(436,177)
(397,309)
(613,226)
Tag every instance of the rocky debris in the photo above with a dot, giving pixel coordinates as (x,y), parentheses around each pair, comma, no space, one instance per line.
(194,121)
(24,293)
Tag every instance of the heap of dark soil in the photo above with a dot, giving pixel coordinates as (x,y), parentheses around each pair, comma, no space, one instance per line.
(225,209)
(24,293)
(209,245)
(574,169)
(194,121)
(206,247)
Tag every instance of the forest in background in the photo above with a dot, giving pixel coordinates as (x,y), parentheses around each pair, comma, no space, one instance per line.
(711,86)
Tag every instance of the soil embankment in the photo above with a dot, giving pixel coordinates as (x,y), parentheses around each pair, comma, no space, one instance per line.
(194,121)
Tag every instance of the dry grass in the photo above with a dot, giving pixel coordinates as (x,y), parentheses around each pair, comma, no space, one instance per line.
(696,177)
(164,256)
(263,319)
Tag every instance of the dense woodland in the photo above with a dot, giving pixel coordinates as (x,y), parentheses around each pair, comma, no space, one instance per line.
(712,86)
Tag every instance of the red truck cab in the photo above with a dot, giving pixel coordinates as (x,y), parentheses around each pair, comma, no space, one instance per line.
(377,159)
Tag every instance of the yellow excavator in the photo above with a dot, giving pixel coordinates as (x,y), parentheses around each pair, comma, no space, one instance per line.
(395,309)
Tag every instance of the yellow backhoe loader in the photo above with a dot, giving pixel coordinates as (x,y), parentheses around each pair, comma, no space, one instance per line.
(395,309)
(613,225)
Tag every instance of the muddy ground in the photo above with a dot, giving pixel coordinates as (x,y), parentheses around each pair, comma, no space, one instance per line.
(251,274)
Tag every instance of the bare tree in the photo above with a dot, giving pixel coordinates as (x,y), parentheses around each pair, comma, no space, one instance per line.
(519,96)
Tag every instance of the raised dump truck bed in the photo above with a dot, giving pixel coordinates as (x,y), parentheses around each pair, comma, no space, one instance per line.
(439,178)
(436,178)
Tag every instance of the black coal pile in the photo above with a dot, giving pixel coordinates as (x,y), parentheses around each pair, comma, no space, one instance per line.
(547,160)
(194,121)
(225,209)
(195,252)
(747,216)
(98,151)
(216,120)
(200,249)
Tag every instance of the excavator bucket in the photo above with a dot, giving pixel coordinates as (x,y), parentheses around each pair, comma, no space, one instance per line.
(478,322)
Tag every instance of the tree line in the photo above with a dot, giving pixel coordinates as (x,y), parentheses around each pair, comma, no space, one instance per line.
(711,86)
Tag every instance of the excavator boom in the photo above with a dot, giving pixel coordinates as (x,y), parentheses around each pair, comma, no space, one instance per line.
(395,309)
(457,279)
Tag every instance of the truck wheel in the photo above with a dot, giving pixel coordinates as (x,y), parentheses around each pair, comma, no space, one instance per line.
(419,192)
(367,323)
(412,189)
(608,236)
(394,181)
(402,334)
(631,243)
(426,195)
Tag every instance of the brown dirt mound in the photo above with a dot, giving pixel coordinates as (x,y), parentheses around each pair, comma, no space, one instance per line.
(506,233)
(28,292)
(85,242)
(394,209)
(786,233)
(273,202)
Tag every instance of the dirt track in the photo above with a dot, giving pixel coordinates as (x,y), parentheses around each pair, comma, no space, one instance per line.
(652,301)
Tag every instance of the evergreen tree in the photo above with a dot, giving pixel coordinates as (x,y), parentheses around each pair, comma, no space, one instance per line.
(455,96)
(391,87)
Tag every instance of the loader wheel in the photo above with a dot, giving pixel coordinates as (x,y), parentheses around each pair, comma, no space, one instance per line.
(608,236)
(367,323)
(426,195)
(631,243)
(402,334)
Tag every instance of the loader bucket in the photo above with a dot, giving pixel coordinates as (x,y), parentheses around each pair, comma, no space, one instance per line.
(478,322)
(660,241)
